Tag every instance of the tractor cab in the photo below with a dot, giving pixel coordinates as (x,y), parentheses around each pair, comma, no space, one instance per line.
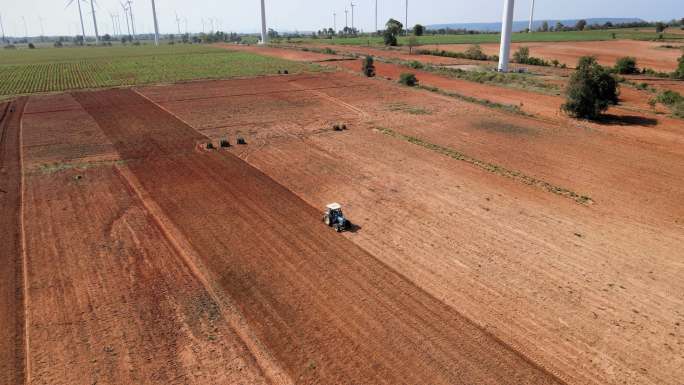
(334,218)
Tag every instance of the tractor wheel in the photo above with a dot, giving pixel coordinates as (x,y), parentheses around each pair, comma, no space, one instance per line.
(326,220)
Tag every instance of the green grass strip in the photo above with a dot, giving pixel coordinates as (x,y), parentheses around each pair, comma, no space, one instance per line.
(490,167)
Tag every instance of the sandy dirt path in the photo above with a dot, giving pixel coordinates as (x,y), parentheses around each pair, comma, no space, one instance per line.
(328,311)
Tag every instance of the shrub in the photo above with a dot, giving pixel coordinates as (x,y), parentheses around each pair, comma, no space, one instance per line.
(679,72)
(58,44)
(626,66)
(31,46)
(474,52)
(418,30)
(678,110)
(521,55)
(669,98)
(368,67)
(555,63)
(408,79)
(329,51)
(591,90)
(10,46)
(416,65)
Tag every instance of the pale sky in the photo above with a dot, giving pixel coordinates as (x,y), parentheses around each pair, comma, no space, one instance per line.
(306,15)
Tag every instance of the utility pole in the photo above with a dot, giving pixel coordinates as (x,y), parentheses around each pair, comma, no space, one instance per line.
(92,9)
(531,17)
(352,7)
(2,26)
(506,30)
(264,32)
(156,25)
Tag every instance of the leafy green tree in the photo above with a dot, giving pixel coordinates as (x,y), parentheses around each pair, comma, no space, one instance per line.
(581,25)
(591,90)
(418,30)
(626,66)
(660,27)
(545,26)
(392,29)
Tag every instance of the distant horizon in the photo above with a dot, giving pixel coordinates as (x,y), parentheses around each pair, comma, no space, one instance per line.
(53,18)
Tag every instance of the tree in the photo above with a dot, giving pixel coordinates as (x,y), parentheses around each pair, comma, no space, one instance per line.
(626,66)
(545,27)
(591,90)
(559,26)
(107,37)
(581,24)
(660,27)
(272,33)
(31,46)
(418,30)
(368,67)
(392,29)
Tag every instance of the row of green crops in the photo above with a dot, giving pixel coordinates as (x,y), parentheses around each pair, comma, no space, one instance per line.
(53,69)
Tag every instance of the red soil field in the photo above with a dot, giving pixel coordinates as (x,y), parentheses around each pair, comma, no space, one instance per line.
(150,260)
(11,272)
(589,291)
(648,54)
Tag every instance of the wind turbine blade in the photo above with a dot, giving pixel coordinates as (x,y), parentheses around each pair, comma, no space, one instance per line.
(69,3)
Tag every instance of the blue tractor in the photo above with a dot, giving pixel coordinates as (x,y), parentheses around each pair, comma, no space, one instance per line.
(334,218)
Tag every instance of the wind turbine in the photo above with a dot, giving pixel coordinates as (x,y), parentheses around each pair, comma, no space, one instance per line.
(156,25)
(42,31)
(178,20)
(352,7)
(531,17)
(25,28)
(80,15)
(407,26)
(264,34)
(346,18)
(376,16)
(130,13)
(506,30)
(92,9)
(2,26)
(335,21)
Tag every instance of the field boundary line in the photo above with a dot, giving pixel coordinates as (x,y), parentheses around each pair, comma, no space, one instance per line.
(24,257)
(333,99)
(268,365)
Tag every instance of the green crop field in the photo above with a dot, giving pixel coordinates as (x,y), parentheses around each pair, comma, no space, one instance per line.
(24,71)
(595,35)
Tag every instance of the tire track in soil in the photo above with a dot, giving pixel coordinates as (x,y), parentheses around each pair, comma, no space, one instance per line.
(326,310)
(12,299)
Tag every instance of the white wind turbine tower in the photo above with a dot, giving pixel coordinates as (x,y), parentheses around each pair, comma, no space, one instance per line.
(80,15)
(506,30)
(92,9)
(531,17)
(376,16)
(407,26)
(352,7)
(113,17)
(178,20)
(2,26)
(334,22)
(156,25)
(128,25)
(264,33)
(130,13)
